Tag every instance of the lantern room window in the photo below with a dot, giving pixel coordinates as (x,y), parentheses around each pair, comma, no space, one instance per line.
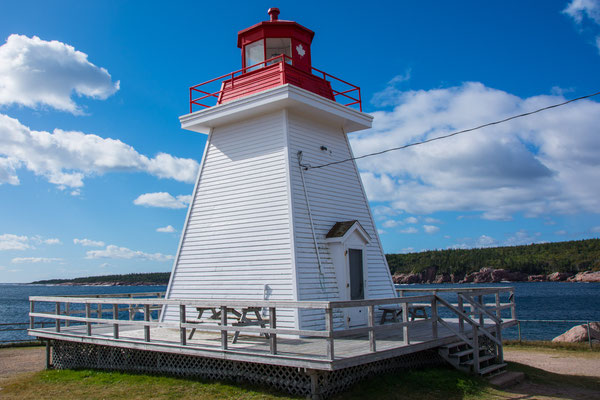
(255,53)
(278,46)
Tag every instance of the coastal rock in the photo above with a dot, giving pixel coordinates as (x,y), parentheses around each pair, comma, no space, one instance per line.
(587,276)
(558,276)
(579,333)
(536,278)
(443,278)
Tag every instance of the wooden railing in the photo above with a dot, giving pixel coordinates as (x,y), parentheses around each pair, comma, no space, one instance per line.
(469,309)
(473,300)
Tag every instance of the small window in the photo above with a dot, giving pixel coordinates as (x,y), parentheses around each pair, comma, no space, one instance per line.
(278,46)
(255,53)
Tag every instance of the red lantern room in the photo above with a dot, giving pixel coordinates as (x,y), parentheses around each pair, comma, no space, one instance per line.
(275,53)
(270,39)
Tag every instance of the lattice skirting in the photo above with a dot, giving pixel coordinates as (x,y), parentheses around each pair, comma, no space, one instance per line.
(318,384)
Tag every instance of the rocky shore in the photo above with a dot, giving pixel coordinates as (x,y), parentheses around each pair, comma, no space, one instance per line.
(490,275)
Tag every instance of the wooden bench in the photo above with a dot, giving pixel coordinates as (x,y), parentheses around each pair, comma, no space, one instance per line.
(395,311)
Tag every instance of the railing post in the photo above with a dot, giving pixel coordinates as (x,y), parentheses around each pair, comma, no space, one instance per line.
(57,326)
(130,306)
(498,311)
(31,318)
(359,100)
(513,308)
(147,319)
(589,335)
(116,318)
(68,314)
(461,322)
(372,343)
(273,325)
(405,320)
(475,349)
(519,327)
(182,329)
(434,316)
(99,311)
(223,324)
(481,305)
(88,314)
(499,346)
(329,329)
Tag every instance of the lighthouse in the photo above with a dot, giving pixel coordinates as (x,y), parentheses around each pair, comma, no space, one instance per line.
(266,221)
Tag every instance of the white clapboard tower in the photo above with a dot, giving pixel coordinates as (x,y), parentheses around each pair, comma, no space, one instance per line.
(263,224)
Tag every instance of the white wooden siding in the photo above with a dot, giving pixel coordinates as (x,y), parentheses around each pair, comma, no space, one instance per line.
(335,194)
(238,235)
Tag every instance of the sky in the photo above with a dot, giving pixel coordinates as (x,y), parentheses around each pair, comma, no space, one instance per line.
(96,173)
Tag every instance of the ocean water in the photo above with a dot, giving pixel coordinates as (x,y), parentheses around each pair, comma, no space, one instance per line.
(14,301)
(535,301)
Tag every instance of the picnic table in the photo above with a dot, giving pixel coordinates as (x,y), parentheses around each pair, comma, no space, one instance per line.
(247,316)
(395,311)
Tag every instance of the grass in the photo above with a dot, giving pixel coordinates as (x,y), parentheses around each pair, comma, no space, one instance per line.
(428,384)
(539,345)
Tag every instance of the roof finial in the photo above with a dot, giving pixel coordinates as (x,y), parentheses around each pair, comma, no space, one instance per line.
(274,13)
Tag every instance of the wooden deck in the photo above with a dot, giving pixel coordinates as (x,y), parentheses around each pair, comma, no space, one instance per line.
(327,350)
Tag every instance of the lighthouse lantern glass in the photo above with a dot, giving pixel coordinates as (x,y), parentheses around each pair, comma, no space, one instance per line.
(255,53)
(278,46)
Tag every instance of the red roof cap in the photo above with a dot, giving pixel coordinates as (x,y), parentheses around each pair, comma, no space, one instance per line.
(276,25)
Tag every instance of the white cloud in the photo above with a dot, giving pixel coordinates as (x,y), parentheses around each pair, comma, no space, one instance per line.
(578,9)
(595,229)
(166,229)
(407,250)
(112,251)
(537,165)
(430,229)
(411,229)
(384,211)
(410,220)
(36,72)
(381,231)
(31,260)
(390,223)
(523,237)
(560,232)
(13,242)
(89,242)
(66,158)
(163,200)
(486,241)
(9,241)
(430,220)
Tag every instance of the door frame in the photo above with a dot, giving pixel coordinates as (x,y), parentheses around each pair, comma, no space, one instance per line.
(356,316)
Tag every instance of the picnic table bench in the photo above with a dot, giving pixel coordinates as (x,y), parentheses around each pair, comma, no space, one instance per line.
(243,317)
(395,311)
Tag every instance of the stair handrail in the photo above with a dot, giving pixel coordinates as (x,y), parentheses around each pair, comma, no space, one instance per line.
(480,307)
(474,324)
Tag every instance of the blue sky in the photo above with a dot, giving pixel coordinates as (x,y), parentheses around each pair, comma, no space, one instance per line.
(96,173)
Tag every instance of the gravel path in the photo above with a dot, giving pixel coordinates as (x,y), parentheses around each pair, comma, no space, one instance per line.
(584,364)
(18,360)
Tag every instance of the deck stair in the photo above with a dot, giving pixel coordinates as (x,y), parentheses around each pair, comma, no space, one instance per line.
(461,356)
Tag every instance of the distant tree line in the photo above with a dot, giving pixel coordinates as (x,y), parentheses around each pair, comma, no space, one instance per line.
(545,258)
(158,278)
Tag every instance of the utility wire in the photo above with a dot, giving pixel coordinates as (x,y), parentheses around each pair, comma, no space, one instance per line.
(307,167)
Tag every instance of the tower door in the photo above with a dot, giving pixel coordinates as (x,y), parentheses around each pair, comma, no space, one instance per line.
(356,287)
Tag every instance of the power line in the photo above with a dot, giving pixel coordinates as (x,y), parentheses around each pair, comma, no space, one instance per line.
(454,133)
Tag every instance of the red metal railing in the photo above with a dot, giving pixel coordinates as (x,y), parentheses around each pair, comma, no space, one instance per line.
(348,91)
